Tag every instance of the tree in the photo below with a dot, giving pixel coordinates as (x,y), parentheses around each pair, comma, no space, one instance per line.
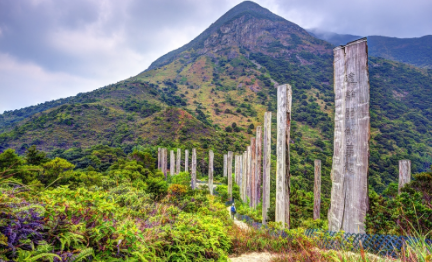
(55,170)
(35,157)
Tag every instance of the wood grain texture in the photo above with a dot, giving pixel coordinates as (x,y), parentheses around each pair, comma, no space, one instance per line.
(172,162)
(210,172)
(236,169)
(349,201)
(194,167)
(284,98)
(165,162)
(159,158)
(248,173)
(404,173)
(186,169)
(178,164)
(258,155)
(229,173)
(244,176)
(225,165)
(317,189)
(266,166)
(253,172)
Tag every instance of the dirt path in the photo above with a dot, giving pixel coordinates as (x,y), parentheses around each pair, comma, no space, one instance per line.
(254,257)
(242,225)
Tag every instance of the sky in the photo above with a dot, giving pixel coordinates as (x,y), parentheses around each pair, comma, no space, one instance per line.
(51,49)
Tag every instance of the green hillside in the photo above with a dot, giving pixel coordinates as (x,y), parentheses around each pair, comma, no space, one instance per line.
(213,92)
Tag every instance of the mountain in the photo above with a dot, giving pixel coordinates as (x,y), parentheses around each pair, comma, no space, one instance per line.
(213,92)
(415,51)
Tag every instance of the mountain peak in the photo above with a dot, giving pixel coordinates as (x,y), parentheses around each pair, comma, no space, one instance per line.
(244,8)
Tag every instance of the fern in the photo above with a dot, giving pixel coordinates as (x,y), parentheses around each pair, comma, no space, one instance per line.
(85,253)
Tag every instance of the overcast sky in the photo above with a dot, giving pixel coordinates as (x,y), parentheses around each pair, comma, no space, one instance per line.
(57,48)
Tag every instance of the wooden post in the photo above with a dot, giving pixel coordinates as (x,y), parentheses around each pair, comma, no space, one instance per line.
(225,165)
(194,166)
(172,163)
(283,160)
(244,176)
(266,166)
(165,162)
(248,174)
(349,193)
(240,180)
(253,172)
(178,161)
(235,169)
(317,190)
(229,173)
(404,173)
(159,158)
(258,165)
(186,161)
(210,172)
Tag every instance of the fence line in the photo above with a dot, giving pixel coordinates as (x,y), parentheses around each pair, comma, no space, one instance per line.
(385,245)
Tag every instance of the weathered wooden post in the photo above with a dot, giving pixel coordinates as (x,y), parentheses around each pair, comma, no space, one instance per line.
(404,173)
(258,156)
(248,175)
(349,197)
(172,163)
(225,165)
(240,180)
(317,190)
(253,172)
(178,161)
(159,158)
(165,162)
(244,176)
(210,172)
(229,173)
(235,169)
(194,166)
(266,166)
(186,160)
(284,97)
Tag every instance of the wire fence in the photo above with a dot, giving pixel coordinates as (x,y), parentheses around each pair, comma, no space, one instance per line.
(386,245)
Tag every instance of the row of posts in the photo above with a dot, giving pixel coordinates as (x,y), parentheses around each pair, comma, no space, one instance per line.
(247,166)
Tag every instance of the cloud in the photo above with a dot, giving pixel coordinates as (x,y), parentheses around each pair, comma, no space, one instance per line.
(57,48)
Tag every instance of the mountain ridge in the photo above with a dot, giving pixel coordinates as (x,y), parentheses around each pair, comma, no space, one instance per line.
(414,51)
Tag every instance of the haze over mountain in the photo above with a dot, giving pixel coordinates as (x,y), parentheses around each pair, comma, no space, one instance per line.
(213,92)
(415,51)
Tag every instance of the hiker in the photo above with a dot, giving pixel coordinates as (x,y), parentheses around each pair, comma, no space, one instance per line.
(233,210)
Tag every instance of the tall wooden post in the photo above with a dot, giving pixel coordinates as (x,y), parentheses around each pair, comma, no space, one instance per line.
(225,165)
(186,161)
(266,166)
(210,172)
(317,190)
(404,173)
(172,163)
(258,165)
(349,193)
(165,162)
(194,166)
(159,158)
(235,169)
(244,176)
(283,160)
(248,174)
(240,180)
(178,161)
(229,173)
(253,172)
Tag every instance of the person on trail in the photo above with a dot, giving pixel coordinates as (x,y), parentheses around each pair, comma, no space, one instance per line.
(233,211)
